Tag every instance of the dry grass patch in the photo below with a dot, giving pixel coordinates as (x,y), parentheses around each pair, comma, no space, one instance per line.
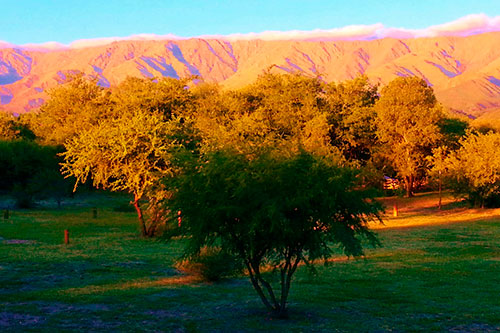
(423,210)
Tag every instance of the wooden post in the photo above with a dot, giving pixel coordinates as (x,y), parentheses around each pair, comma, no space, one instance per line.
(6,214)
(94,212)
(395,212)
(440,191)
(66,236)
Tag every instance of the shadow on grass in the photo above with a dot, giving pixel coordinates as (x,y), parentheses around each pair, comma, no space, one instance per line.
(181,280)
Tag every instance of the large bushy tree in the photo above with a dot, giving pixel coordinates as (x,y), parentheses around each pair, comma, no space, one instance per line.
(473,171)
(130,153)
(129,148)
(351,115)
(72,107)
(169,96)
(269,209)
(277,110)
(408,116)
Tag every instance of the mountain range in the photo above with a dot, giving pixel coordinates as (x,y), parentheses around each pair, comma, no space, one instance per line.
(464,71)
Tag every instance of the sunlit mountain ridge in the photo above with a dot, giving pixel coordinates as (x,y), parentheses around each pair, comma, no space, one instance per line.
(464,71)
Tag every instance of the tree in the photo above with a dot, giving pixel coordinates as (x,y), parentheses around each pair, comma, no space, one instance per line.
(166,95)
(72,107)
(452,130)
(12,128)
(30,171)
(129,153)
(213,113)
(127,148)
(7,130)
(473,171)
(352,117)
(271,209)
(278,110)
(438,168)
(407,124)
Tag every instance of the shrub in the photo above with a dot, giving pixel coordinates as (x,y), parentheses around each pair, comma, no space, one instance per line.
(212,264)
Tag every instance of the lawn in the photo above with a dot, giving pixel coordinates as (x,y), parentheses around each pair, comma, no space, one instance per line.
(437,271)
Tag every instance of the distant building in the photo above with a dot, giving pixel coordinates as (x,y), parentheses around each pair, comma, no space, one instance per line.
(391,183)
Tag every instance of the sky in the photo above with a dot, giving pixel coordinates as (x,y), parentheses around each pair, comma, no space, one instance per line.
(66,21)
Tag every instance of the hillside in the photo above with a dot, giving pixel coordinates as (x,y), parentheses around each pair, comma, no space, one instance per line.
(464,71)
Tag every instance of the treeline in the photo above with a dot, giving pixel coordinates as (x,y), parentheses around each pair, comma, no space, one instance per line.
(29,170)
(389,132)
(271,174)
(392,131)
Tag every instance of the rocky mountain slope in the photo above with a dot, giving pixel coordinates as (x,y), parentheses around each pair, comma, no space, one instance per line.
(464,71)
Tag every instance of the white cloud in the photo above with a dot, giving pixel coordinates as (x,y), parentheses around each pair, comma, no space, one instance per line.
(351,32)
(81,43)
(47,46)
(465,26)
(468,25)
(4,45)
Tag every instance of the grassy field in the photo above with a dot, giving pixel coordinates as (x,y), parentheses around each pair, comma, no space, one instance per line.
(436,271)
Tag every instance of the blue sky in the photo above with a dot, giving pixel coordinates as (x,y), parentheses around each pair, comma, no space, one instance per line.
(38,21)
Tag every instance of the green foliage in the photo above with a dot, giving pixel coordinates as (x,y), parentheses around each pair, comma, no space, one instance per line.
(473,171)
(127,148)
(7,130)
(438,161)
(453,130)
(213,264)
(71,108)
(407,124)
(12,128)
(165,95)
(271,209)
(30,171)
(438,169)
(286,111)
(129,153)
(352,117)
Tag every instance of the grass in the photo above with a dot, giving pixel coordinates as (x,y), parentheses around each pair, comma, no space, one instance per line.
(436,271)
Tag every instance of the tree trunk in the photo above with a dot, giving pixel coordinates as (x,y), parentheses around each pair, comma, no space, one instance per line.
(278,307)
(409,186)
(440,191)
(257,287)
(286,278)
(139,215)
(285,287)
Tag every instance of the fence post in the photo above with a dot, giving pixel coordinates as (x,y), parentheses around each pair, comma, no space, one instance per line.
(66,236)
